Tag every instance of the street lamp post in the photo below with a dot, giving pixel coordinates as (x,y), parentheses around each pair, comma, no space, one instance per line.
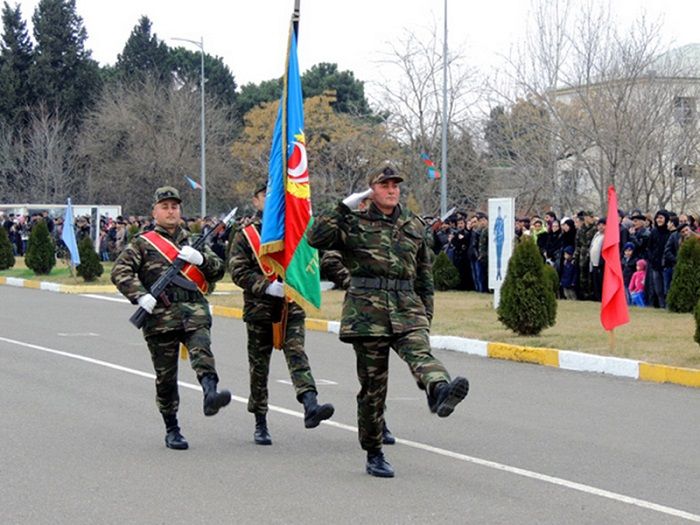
(203,137)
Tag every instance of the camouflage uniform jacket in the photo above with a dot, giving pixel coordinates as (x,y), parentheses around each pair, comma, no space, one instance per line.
(258,307)
(140,265)
(374,245)
(584,236)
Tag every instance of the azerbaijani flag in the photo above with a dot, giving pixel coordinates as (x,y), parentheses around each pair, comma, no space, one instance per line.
(287,214)
(194,184)
(433,172)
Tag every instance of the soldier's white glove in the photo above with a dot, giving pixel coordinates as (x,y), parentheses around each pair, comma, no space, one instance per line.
(192,256)
(276,289)
(147,302)
(354,200)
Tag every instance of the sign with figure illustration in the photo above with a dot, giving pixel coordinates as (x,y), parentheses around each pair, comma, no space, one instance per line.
(501,231)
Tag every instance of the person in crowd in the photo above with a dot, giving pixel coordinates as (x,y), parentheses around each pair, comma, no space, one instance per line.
(597,263)
(553,245)
(636,286)
(585,231)
(639,235)
(483,257)
(568,236)
(473,253)
(389,304)
(178,316)
(271,320)
(629,266)
(569,274)
(539,234)
(460,248)
(654,284)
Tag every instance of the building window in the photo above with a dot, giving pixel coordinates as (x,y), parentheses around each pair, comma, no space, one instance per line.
(684,110)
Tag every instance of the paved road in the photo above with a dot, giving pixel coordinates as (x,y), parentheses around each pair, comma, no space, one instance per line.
(82,443)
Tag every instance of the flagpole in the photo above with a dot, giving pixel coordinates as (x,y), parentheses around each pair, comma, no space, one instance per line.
(611,340)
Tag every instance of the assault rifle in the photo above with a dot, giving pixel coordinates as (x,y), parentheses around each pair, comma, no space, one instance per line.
(139,317)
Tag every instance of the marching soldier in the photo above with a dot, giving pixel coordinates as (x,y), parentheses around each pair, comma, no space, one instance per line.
(265,312)
(180,314)
(389,303)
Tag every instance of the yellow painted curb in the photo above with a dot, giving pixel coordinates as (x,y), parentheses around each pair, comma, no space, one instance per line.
(317,324)
(32,284)
(227,311)
(86,288)
(3,280)
(526,354)
(669,374)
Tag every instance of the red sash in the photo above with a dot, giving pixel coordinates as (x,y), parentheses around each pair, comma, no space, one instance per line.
(251,233)
(168,250)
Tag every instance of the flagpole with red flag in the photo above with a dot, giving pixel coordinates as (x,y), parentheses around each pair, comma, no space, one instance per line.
(613,308)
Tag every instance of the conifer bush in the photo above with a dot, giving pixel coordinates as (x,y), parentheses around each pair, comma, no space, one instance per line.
(528,304)
(90,267)
(7,258)
(550,273)
(445,275)
(685,285)
(41,252)
(697,322)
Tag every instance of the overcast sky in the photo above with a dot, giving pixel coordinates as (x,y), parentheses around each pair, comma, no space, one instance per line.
(251,35)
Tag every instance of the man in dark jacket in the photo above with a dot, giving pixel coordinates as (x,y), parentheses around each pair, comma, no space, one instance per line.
(654,284)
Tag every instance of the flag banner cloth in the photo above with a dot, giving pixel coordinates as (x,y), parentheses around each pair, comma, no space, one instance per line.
(433,172)
(613,308)
(193,183)
(287,214)
(68,235)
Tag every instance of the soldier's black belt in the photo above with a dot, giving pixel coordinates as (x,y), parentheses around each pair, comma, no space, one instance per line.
(381,283)
(180,295)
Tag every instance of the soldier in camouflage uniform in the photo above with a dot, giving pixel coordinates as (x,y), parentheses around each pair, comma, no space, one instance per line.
(584,235)
(263,305)
(179,316)
(389,303)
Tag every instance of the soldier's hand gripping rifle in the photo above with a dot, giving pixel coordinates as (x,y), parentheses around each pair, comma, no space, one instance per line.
(139,317)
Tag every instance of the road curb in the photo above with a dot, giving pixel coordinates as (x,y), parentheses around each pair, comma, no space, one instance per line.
(564,359)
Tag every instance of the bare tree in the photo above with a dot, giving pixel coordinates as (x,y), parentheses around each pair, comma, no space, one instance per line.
(144,135)
(414,102)
(609,100)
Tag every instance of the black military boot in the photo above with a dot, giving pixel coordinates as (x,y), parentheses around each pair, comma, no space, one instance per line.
(173,438)
(387,437)
(213,400)
(313,412)
(377,465)
(261,435)
(445,396)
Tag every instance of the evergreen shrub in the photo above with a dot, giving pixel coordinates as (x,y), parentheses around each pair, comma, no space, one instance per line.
(550,273)
(41,251)
(528,303)
(90,267)
(697,322)
(445,275)
(685,285)
(7,258)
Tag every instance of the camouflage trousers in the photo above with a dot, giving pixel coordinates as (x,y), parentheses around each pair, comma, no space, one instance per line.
(165,351)
(259,354)
(373,374)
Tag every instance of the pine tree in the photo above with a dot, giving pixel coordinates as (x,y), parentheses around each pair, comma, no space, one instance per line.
(685,285)
(16,56)
(528,304)
(41,252)
(144,55)
(90,267)
(445,275)
(66,78)
(7,258)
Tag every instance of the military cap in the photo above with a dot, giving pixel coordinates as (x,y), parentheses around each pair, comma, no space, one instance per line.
(638,217)
(260,188)
(385,171)
(166,192)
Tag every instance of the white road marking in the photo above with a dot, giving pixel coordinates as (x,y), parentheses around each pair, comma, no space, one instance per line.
(77,334)
(327,382)
(106,298)
(580,487)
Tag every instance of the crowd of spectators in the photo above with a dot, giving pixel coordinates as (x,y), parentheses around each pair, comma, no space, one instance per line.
(572,245)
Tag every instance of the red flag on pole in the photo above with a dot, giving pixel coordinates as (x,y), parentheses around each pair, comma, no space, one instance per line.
(613,309)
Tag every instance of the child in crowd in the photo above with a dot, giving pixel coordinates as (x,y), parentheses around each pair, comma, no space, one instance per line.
(629,266)
(569,274)
(636,286)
